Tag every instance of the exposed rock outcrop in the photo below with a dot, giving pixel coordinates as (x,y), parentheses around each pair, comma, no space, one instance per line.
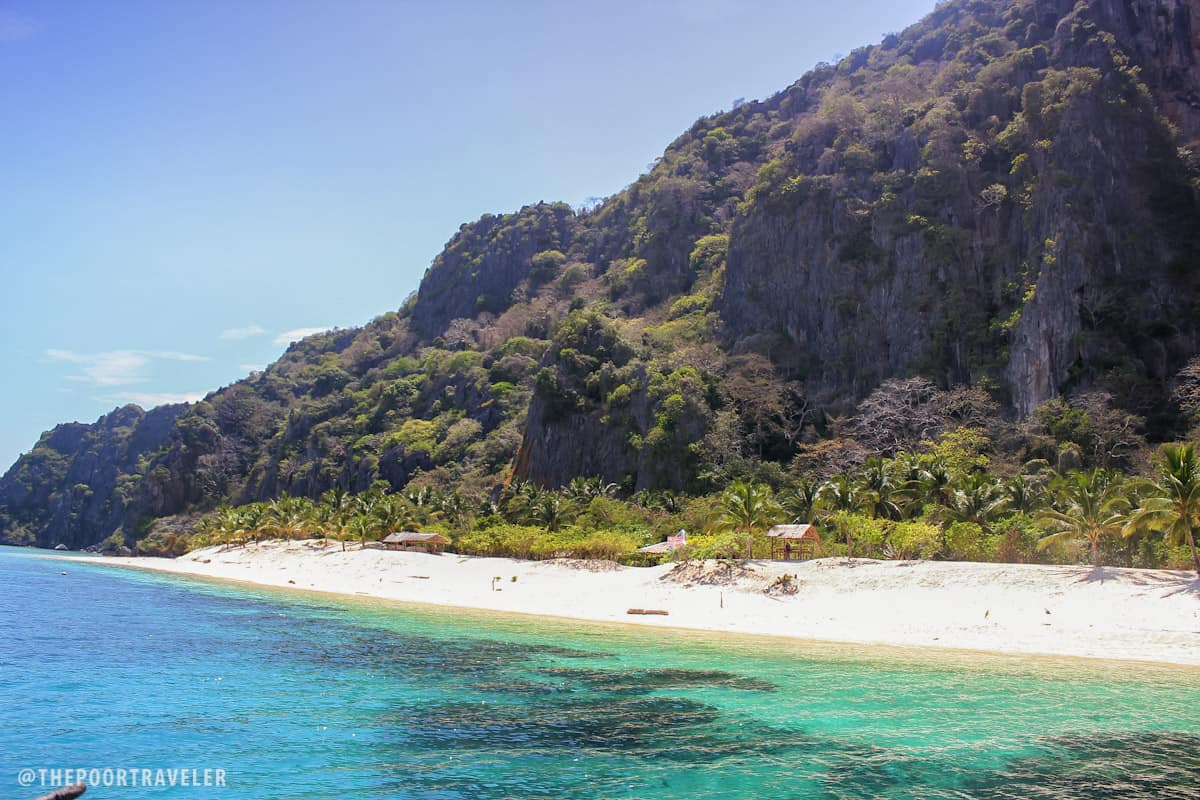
(77,481)
(1004,195)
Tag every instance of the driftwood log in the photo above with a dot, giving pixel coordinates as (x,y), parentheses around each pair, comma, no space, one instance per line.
(648,611)
(66,792)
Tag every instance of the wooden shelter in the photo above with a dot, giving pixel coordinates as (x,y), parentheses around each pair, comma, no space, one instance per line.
(654,553)
(790,542)
(408,540)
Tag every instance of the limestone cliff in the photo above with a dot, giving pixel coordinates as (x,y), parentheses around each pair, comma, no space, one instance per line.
(75,486)
(1004,195)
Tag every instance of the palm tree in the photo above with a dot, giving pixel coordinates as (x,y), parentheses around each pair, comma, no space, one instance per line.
(518,505)
(1022,494)
(937,483)
(455,508)
(1091,505)
(223,526)
(284,518)
(550,511)
(363,527)
(748,506)
(333,511)
(578,490)
(388,515)
(800,502)
(1173,502)
(667,501)
(583,490)
(908,470)
(419,496)
(875,490)
(838,494)
(252,518)
(979,500)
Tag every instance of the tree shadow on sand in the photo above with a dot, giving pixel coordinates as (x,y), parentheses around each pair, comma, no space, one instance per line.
(1173,582)
(1186,587)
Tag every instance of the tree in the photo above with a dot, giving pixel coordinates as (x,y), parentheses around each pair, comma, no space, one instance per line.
(838,494)
(799,503)
(363,528)
(897,415)
(876,489)
(1091,505)
(288,517)
(550,511)
(748,507)
(224,526)
(1022,494)
(1173,502)
(333,512)
(582,490)
(387,515)
(979,500)
(933,485)
(773,411)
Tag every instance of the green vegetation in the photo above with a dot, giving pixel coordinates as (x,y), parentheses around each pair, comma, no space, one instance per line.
(963,202)
(931,503)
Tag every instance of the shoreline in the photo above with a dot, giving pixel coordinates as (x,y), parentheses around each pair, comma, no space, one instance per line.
(1010,609)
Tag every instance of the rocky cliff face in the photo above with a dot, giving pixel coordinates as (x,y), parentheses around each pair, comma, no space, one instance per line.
(1163,38)
(76,482)
(1004,195)
(1019,232)
(487,261)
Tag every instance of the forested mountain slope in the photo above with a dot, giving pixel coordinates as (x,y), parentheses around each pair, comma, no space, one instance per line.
(1003,196)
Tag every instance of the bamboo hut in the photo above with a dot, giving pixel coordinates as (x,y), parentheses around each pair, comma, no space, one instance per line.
(793,542)
(408,540)
(654,553)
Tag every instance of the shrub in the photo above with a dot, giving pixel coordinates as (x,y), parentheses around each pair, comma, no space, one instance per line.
(573,276)
(602,513)
(914,540)
(724,545)
(163,544)
(511,541)
(709,252)
(966,541)
(113,542)
(864,534)
(1017,538)
(544,265)
(608,544)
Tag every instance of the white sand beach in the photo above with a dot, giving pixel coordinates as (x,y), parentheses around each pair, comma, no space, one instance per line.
(1126,614)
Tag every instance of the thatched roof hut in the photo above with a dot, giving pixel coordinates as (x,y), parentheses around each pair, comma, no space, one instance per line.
(653,553)
(794,533)
(793,541)
(409,540)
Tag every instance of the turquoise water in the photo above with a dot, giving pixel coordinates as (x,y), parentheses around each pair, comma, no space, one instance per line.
(311,697)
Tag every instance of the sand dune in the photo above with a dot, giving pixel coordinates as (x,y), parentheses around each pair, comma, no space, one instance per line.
(1111,613)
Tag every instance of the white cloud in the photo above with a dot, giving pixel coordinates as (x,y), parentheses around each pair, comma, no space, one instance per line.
(116,367)
(171,355)
(296,334)
(151,399)
(234,334)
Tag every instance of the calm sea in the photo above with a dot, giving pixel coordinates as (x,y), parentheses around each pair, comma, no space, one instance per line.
(310,697)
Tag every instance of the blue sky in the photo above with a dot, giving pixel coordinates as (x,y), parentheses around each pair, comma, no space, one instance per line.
(189,184)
